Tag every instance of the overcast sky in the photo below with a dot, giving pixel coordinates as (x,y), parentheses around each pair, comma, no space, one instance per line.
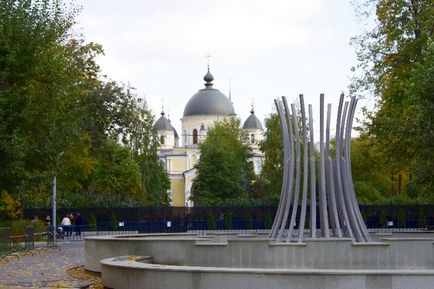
(266,48)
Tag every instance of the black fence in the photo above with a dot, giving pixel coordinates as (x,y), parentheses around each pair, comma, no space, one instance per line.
(176,219)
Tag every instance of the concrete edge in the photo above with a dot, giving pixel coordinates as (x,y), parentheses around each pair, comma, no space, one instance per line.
(173,268)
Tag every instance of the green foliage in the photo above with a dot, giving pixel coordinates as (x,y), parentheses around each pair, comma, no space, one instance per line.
(144,139)
(397,65)
(114,221)
(272,170)
(419,130)
(228,221)
(370,172)
(60,117)
(249,221)
(402,222)
(38,92)
(117,174)
(211,222)
(268,221)
(383,219)
(18,226)
(10,208)
(224,171)
(115,113)
(364,215)
(422,223)
(92,222)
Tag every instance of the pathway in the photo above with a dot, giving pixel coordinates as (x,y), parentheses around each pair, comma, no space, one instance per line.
(47,269)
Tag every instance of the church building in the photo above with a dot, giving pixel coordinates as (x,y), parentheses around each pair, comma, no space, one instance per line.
(201,111)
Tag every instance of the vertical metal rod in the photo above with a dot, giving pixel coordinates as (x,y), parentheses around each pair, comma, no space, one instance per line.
(354,224)
(358,215)
(305,172)
(329,176)
(345,184)
(279,214)
(291,169)
(337,194)
(332,198)
(342,209)
(322,186)
(54,220)
(297,173)
(312,177)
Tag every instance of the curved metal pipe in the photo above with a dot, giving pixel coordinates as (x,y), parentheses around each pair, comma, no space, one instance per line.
(358,215)
(291,170)
(312,177)
(342,209)
(297,173)
(345,180)
(305,172)
(279,214)
(324,221)
(329,176)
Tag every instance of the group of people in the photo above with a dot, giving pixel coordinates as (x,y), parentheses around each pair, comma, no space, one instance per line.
(72,223)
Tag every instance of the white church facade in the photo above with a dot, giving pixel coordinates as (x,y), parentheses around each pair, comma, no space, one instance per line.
(180,153)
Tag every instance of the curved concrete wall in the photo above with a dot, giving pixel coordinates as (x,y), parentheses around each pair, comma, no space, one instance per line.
(124,274)
(253,252)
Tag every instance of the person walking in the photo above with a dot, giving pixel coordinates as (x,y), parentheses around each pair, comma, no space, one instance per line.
(66,225)
(72,219)
(78,224)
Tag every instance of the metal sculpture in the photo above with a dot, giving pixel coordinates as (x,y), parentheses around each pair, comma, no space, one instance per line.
(338,211)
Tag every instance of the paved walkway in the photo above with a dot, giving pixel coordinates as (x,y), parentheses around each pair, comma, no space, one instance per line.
(47,269)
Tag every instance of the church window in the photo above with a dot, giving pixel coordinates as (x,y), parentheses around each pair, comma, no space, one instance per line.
(252,138)
(162,139)
(195,136)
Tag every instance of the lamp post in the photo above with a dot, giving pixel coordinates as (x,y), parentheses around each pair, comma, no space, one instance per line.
(54,204)
(54,218)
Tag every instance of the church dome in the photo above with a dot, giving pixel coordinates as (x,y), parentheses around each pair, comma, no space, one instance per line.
(209,101)
(252,122)
(164,124)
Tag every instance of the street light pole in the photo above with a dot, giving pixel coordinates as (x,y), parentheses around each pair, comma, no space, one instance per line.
(54,211)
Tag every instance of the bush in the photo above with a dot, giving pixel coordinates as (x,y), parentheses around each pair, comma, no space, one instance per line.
(92,222)
(364,216)
(268,222)
(383,220)
(249,221)
(422,219)
(114,222)
(228,221)
(211,222)
(18,228)
(401,219)
(10,208)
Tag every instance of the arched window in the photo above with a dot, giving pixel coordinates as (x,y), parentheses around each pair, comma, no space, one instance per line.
(252,138)
(162,139)
(195,136)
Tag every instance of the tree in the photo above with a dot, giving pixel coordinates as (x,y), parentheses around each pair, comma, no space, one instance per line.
(117,176)
(396,63)
(60,117)
(419,110)
(370,171)
(224,171)
(38,93)
(144,144)
(132,173)
(272,170)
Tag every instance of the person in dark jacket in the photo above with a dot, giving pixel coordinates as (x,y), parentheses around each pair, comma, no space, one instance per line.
(78,224)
